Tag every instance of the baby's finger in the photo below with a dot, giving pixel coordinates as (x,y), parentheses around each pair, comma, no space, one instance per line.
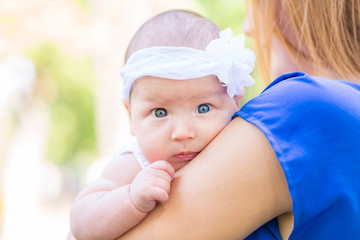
(164,166)
(159,194)
(163,184)
(161,174)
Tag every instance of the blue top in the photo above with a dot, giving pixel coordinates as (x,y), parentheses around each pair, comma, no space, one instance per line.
(313,125)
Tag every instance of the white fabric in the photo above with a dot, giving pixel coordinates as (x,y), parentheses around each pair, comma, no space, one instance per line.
(225,58)
(133,147)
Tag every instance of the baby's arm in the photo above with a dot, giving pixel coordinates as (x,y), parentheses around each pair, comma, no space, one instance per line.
(120,198)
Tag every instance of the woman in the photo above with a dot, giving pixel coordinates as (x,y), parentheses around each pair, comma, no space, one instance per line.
(288,164)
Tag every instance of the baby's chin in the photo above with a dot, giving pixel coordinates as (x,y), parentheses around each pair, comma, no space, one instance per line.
(178,165)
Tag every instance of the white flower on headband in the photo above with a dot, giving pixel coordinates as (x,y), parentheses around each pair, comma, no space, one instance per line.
(226,58)
(238,61)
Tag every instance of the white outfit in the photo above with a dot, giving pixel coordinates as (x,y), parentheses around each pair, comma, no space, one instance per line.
(133,147)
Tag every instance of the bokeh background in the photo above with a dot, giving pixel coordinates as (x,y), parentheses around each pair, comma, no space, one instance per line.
(61,117)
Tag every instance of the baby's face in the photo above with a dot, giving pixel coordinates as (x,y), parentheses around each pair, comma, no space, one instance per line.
(174,120)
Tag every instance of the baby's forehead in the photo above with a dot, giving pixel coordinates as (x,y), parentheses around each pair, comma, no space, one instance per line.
(153,88)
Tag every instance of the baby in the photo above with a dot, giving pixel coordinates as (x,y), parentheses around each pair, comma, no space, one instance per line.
(182,84)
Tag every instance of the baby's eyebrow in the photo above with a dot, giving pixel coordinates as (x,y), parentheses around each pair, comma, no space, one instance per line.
(156,102)
(204,94)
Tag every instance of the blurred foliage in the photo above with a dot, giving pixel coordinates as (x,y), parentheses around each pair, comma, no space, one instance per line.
(231,14)
(6,19)
(83,4)
(225,13)
(67,84)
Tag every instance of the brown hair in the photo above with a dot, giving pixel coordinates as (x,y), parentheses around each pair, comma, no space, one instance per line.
(327,33)
(174,28)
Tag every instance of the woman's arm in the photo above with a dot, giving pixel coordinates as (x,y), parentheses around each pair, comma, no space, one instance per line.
(233,187)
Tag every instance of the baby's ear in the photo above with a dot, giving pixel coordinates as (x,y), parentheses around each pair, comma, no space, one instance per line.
(237,99)
(126,103)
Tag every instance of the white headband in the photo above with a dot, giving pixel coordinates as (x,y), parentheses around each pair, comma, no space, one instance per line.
(225,58)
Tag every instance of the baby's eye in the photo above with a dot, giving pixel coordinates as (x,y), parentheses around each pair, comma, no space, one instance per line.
(159,112)
(203,108)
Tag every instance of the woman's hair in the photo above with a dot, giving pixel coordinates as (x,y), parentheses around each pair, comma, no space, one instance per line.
(174,28)
(327,33)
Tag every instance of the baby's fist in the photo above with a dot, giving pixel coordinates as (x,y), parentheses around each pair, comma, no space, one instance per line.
(151,185)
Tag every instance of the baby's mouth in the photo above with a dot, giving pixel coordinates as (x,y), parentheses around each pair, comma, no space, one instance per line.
(185,156)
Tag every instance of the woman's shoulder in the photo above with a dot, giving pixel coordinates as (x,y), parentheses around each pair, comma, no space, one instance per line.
(301,88)
(302,114)
(313,126)
(297,95)
(305,116)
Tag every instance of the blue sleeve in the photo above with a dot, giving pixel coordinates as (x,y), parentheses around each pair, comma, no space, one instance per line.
(313,125)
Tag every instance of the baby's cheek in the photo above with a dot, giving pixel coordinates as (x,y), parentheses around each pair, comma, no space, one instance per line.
(219,126)
(213,131)
(152,152)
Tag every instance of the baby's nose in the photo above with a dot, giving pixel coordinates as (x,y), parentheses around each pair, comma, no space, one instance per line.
(183,130)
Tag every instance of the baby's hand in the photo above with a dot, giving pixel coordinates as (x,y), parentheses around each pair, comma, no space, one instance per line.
(151,185)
